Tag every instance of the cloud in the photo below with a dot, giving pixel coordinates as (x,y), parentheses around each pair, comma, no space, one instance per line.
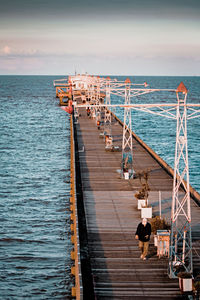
(17,50)
(6,50)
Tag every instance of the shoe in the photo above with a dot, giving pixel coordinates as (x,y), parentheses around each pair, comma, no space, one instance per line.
(144,258)
(141,256)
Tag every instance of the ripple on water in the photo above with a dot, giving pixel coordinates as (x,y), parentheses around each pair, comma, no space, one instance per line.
(34,197)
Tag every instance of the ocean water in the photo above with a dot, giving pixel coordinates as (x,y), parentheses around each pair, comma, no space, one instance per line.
(34,191)
(35,185)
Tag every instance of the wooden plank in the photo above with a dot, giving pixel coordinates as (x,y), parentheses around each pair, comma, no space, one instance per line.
(112,217)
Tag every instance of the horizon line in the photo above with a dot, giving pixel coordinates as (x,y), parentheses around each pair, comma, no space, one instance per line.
(100,75)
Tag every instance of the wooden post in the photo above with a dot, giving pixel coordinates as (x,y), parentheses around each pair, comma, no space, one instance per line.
(160,204)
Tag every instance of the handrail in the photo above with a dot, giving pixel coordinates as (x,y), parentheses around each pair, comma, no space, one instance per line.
(77,290)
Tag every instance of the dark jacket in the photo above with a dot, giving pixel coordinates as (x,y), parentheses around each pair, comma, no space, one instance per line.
(142,231)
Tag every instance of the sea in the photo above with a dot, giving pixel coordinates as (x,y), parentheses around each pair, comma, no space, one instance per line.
(35,241)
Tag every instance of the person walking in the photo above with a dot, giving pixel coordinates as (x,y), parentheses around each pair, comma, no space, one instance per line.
(143,234)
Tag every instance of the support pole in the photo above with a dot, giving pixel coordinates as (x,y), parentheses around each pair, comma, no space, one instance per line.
(107,116)
(97,96)
(160,204)
(180,239)
(127,143)
(92,97)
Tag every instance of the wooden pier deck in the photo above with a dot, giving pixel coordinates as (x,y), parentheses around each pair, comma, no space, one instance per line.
(112,218)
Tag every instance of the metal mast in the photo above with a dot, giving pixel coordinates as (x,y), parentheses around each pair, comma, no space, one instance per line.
(98,108)
(107,116)
(181,241)
(127,152)
(98,91)
(93,96)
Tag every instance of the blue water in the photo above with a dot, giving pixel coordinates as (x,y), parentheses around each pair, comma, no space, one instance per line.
(34,179)
(34,195)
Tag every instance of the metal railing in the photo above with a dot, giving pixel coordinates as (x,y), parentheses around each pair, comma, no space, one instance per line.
(77,290)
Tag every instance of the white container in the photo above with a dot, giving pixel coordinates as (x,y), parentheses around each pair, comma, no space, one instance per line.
(163,243)
(126,175)
(141,202)
(155,238)
(185,284)
(146,212)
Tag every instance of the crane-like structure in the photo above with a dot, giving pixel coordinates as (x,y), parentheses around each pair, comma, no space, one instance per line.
(107,114)
(127,141)
(181,240)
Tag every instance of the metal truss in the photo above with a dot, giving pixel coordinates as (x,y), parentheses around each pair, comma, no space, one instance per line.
(60,82)
(107,115)
(180,238)
(97,96)
(127,142)
(191,112)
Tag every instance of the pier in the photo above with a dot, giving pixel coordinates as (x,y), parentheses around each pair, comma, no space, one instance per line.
(105,217)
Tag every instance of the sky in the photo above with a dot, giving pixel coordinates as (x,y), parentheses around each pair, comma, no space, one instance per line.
(115,37)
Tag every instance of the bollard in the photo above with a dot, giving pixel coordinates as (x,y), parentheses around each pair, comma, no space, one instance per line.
(73,272)
(73,255)
(71,216)
(72,227)
(73,291)
(72,239)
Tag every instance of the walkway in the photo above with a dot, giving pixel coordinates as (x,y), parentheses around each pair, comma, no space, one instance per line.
(112,218)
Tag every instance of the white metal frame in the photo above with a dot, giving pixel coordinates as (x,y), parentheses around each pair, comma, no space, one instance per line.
(181,241)
(107,114)
(127,141)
